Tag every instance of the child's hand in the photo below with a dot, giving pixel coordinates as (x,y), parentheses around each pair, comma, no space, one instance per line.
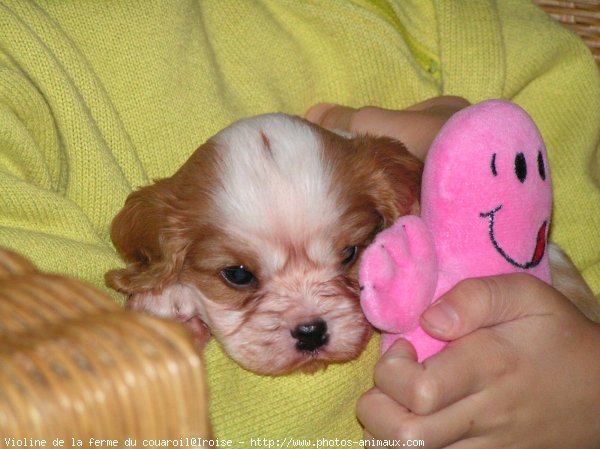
(415,126)
(522,370)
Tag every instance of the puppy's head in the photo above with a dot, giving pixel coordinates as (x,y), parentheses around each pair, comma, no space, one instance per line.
(259,234)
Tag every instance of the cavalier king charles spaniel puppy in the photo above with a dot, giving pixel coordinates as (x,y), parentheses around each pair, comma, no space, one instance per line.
(255,240)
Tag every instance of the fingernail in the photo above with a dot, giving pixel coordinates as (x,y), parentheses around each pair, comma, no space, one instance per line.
(441,318)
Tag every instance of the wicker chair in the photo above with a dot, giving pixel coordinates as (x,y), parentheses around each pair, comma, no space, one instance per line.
(75,365)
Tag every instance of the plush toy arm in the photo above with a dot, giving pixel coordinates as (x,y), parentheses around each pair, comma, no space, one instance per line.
(398,276)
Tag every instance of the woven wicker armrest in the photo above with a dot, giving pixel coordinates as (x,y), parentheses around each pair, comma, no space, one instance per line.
(75,366)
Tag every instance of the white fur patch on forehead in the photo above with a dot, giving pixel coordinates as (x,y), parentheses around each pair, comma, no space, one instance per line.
(275,181)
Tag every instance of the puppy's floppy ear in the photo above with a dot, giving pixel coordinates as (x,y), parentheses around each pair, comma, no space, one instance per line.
(149,235)
(395,186)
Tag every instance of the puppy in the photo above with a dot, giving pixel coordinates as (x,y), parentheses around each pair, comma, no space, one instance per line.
(255,240)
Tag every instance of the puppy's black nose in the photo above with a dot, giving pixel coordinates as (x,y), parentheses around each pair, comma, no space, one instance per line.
(311,336)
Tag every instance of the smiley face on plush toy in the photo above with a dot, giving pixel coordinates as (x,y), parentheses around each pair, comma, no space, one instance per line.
(520,173)
(490,191)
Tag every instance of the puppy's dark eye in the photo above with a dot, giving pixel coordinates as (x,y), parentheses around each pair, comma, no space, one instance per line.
(350,254)
(238,276)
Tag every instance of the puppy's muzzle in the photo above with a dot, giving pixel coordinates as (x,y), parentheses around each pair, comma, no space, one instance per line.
(311,336)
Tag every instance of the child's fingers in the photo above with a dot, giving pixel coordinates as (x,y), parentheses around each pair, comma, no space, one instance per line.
(370,119)
(426,388)
(379,414)
(443,102)
(415,126)
(388,421)
(486,302)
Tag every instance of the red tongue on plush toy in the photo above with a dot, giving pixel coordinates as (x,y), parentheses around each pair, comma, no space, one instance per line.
(540,246)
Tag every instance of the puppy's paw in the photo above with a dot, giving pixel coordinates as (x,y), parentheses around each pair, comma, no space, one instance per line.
(176,302)
(199,331)
(398,276)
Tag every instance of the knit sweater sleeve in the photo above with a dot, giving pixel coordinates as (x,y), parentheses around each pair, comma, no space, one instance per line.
(38,218)
(58,172)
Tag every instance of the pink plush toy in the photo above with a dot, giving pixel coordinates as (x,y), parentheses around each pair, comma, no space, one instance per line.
(485,210)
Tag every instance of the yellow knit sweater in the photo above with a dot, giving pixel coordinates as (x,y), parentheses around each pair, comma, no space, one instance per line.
(99,98)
